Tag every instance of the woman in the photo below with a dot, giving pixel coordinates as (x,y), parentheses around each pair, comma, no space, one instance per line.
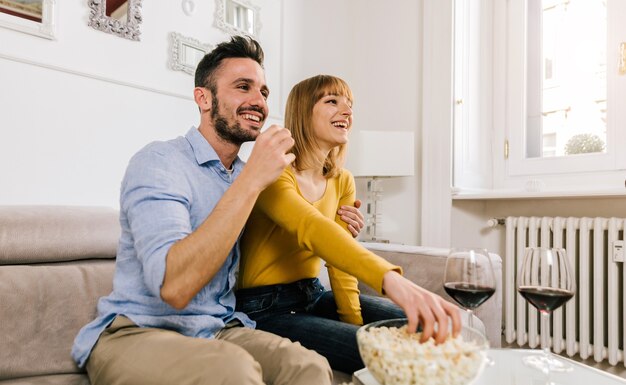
(294,225)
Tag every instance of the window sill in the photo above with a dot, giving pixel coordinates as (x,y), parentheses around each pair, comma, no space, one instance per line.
(468,194)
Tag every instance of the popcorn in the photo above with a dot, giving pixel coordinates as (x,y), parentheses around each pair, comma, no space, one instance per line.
(396,357)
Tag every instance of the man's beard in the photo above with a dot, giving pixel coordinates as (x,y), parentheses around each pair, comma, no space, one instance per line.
(230,133)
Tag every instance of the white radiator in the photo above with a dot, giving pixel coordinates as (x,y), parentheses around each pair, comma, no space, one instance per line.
(592,322)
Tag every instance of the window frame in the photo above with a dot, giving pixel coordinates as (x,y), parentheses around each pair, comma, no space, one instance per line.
(601,171)
(516,119)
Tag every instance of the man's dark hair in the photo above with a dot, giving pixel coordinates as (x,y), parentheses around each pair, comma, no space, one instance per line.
(237,47)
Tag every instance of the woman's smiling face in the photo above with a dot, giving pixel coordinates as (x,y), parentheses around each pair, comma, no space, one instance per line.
(331,121)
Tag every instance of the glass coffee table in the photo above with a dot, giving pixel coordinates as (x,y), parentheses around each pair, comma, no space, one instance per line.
(509,369)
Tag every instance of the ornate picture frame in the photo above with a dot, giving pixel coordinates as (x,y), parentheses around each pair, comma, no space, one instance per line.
(19,15)
(186,52)
(128,29)
(238,17)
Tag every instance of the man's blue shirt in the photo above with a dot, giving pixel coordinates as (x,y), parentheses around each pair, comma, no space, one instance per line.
(169,189)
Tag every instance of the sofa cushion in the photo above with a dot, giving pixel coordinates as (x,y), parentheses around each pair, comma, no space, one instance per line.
(42,308)
(34,234)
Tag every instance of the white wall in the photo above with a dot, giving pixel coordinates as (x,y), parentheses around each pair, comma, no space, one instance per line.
(75,109)
(436,170)
(68,124)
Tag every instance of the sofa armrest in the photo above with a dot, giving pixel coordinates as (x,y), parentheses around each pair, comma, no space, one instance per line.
(425,266)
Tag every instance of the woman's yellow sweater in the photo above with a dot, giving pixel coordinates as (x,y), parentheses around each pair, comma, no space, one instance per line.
(286,236)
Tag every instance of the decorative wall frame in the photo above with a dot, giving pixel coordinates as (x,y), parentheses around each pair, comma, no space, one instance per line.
(41,23)
(238,17)
(128,28)
(186,52)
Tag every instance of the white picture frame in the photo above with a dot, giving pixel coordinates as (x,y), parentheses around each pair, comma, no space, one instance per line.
(186,52)
(238,17)
(128,29)
(46,28)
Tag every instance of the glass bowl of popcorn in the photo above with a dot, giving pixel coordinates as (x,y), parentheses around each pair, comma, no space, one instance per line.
(395,357)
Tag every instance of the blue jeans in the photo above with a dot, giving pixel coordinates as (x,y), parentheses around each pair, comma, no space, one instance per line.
(304,311)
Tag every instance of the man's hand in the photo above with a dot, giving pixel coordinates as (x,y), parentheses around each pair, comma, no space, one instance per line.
(353,217)
(269,156)
(422,307)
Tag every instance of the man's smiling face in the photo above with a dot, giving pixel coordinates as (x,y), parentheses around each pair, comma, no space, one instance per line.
(239,104)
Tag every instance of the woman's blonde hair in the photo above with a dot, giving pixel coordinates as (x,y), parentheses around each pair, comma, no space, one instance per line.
(298,119)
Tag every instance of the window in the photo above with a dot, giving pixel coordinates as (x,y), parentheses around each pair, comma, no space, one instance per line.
(566,84)
(554,90)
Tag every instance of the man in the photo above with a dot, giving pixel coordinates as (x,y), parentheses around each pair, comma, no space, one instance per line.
(170,318)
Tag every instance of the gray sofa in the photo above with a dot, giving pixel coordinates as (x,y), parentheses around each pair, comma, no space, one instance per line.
(56,261)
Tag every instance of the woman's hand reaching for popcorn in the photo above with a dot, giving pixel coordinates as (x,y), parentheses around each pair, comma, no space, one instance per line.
(422,307)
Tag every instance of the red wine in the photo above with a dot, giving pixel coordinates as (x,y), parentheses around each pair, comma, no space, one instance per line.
(545,299)
(468,295)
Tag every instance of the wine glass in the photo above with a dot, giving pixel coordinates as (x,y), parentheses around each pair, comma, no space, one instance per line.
(469,278)
(546,282)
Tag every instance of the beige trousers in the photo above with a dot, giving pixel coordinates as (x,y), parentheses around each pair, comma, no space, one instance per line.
(130,355)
